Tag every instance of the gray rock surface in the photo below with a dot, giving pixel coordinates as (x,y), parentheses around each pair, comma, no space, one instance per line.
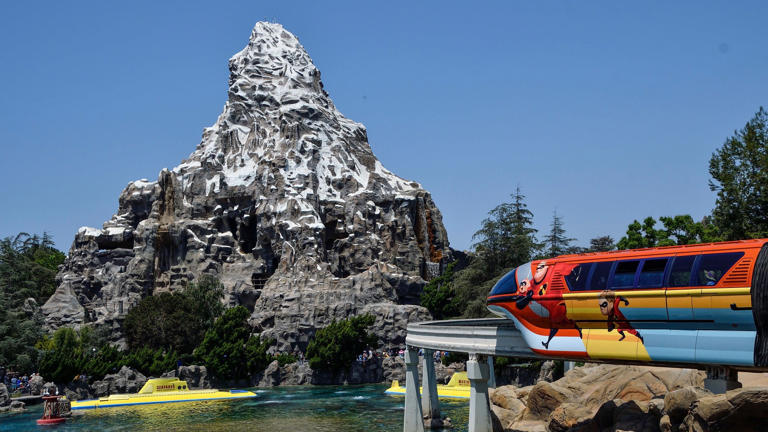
(195,376)
(283,200)
(77,390)
(126,380)
(5,397)
(36,383)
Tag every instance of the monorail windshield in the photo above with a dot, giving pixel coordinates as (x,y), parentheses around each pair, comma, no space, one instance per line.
(511,282)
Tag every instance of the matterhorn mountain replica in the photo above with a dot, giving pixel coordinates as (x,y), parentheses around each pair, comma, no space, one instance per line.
(283,201)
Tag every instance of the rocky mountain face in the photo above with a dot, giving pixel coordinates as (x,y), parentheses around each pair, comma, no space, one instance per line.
(283,200)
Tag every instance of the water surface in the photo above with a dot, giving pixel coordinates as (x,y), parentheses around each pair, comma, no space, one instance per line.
(317,409)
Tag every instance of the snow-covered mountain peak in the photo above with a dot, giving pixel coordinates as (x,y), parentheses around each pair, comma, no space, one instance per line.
(279,126)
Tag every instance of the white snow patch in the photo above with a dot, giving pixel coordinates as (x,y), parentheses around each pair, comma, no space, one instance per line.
(89,232)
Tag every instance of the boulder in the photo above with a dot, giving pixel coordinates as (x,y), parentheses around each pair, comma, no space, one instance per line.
(570,417)
(545,397)
(271,376)
(298,373)
(502,418)
(5,397)
(604,397)
(528,426)
(743,410)
(17,406)
(126,380)
(547,371)
(665,424)
(195,376)
(77,390)
(634,416)
(36,383)
(504,396)
(678,402)
(393,368)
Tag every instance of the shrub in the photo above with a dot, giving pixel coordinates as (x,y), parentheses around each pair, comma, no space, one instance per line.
(174,321)
(285,359)
(229,350)
(64,358)
(454,357)
(336,346)
(437,295)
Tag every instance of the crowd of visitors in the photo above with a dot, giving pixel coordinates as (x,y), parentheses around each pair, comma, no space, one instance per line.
(370,354)
(15,383)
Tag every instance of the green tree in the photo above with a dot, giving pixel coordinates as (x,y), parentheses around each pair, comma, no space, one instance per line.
(174,322)
(229,350)
(677,230)
(63,360)
(336,346)
(640,235)
(506,237)
(437,294)
(556,242)
(739,171)
(28,265)
(601,244)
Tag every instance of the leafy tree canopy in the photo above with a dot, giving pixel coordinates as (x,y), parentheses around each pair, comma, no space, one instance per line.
(739,171)
(175,322)
(601,244)
(28,265)
(438,293)
(229,350)
(336,346)
(677,230)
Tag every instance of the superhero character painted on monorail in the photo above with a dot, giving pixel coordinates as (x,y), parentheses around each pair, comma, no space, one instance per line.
(705,304)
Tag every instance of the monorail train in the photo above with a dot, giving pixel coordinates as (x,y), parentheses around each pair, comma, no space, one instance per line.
(697,304)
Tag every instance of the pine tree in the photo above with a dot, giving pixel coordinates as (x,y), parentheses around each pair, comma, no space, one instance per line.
(739,171)
(556,242)
(506,237)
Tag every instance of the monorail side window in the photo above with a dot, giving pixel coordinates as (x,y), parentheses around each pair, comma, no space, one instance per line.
(680,275)
(599,278)
(713,266)
(652,273)
(577,278)
(624,276)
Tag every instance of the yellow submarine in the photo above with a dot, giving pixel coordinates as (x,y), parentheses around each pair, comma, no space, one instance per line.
(457,388)
(161,390)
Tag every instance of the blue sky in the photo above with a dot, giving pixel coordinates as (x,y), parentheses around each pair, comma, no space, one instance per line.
(603,111)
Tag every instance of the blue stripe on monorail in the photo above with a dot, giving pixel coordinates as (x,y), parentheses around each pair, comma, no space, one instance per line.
(728,347)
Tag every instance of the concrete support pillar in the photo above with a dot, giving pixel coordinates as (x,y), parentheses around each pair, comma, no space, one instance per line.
(721,379)
(479,406)
(491,373)
(568,365)
(430,406)
(413,419)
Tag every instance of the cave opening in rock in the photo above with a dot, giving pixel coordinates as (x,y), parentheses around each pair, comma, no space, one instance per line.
(247,233)
(332,233)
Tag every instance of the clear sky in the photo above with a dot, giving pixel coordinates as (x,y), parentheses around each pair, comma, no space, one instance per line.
(604,111)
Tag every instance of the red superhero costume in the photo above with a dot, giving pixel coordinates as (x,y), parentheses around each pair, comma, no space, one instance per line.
(617,320)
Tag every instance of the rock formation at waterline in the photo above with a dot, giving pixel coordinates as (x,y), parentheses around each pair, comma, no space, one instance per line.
(283,200)
(609,398)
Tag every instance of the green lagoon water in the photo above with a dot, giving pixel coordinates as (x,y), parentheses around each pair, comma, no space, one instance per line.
(322,408)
